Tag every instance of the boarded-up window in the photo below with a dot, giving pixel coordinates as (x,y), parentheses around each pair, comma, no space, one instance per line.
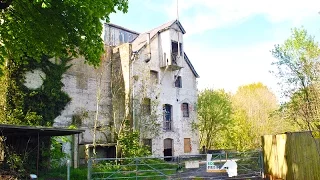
(148,143)
(187,145)
(185,109)
(146,106)
(154,77)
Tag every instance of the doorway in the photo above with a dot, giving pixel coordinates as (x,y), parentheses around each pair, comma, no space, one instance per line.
(168,149)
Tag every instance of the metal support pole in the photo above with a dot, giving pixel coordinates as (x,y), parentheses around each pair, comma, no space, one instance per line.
(68,169)
(38,154)
(136,161)
(89,168)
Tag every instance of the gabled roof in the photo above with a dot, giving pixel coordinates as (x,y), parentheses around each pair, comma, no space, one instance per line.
(141,40)
(191,66)
(122,28)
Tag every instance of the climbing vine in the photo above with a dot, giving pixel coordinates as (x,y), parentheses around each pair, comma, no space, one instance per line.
(40,105)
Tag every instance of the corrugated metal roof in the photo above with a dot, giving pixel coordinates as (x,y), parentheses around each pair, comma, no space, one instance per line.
(123,28)
(15,130)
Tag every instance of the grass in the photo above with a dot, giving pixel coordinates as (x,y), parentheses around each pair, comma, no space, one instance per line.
(61,174)
(153,169)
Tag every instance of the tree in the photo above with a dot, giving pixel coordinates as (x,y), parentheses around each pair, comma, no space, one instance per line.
(298,72)
(214,110)
(59,28)
(254,106)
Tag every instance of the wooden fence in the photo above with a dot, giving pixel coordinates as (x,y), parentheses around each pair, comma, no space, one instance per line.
(292,156)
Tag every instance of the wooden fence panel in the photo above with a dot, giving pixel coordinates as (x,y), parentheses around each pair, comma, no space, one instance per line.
(291,156)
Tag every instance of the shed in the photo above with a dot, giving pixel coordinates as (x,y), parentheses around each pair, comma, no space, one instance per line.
(22,138)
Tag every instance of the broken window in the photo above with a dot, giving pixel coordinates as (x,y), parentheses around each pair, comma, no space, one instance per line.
(187,145)
(148,143)
(178,82)
(154,77)
(146,106)
(185,109)
(174,46)
(167,115)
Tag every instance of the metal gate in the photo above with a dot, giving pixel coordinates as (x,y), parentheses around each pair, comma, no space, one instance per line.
(250,166)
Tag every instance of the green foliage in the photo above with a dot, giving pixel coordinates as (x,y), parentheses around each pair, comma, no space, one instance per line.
(129,142)
(61,173)
(298,72)
(214,110)
(58,29)
(35,106)
(57,156)
(238,121)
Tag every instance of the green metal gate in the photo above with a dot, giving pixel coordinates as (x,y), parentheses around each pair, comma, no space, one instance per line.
(249,166)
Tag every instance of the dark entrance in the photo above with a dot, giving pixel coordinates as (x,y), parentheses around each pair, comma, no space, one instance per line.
(168,147)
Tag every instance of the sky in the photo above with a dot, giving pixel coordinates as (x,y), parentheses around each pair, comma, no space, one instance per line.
(229,41)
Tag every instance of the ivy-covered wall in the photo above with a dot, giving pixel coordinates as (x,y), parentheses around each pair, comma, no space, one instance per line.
(27,105)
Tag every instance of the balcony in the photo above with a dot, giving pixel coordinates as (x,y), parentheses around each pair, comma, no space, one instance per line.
(167,125)
(174,62)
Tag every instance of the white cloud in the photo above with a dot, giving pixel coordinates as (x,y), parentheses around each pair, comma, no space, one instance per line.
(201,15)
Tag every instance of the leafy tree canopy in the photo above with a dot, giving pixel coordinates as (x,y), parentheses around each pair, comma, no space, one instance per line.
(59,28)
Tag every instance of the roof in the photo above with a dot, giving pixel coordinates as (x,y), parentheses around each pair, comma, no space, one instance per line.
(14,130)
(141,40)
(122,28)
(191,66)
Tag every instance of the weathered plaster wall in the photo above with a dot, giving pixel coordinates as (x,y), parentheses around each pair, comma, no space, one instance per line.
(82,82)
(167,93)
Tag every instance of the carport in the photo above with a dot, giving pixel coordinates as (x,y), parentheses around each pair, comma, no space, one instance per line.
(17,135)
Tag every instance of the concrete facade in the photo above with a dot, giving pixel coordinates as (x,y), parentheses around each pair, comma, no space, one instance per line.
(136,67)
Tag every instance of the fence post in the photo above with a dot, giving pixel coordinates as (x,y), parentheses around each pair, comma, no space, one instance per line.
(136,162)
(68,169)
(89,169)
(179,168)
(262,164)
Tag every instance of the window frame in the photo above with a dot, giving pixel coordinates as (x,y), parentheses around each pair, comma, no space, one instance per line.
(178,82)
(154,73)
(146,106)
(147,142)
(167,123)
(185,110)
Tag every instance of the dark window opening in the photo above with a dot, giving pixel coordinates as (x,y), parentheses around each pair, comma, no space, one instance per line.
(185,109)
(174,46)
(167,115)
(168,149)
(148,143)
(154,77)
(178,82)
(146,106)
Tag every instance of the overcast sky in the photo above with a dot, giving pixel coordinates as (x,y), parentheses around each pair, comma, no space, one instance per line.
(227,41)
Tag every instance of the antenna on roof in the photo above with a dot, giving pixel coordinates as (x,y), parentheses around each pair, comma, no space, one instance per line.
(177,10)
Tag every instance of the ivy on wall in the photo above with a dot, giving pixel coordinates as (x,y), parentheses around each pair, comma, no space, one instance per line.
(39,106)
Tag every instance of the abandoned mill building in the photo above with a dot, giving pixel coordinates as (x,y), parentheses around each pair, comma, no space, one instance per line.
(145,78)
